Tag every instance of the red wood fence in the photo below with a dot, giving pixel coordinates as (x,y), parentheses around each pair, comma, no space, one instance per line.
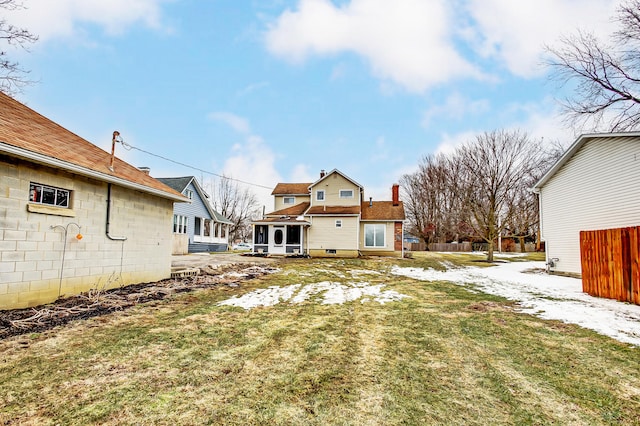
(610,261)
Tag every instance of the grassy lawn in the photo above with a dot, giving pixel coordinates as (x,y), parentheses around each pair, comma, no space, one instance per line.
(443,356)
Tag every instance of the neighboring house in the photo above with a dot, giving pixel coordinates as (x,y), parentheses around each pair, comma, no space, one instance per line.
(330,217)
(197,227)
(593,186)
(72,216)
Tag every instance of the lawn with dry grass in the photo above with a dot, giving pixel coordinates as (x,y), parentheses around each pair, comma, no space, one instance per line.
(444,355)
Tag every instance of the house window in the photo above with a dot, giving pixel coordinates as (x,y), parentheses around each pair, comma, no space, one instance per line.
(320,195)
(189,194)
(338,223)
(289,200)
(43,194)
(346,193)
(197,229)
(207,227)
(179,224)
(374,235)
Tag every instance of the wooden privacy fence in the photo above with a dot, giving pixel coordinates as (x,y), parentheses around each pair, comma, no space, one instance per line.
(610,263)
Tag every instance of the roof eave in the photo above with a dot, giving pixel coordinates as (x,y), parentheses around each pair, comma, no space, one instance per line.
(83,171)
(582,139)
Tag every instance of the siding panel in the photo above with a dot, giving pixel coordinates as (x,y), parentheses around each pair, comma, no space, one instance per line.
(596,189)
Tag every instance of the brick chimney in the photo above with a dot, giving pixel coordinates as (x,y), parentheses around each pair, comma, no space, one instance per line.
(322,173)
(395,194)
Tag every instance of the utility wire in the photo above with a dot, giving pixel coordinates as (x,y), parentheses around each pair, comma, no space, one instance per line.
(129,147)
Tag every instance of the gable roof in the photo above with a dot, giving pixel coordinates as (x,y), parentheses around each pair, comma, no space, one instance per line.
(28,135)
(382,210)
(291,189)
(579,143)
(181,183)
(341,174)
(296,210)
(177,183)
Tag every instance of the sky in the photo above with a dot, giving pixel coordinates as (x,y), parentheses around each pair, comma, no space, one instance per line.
(276,90)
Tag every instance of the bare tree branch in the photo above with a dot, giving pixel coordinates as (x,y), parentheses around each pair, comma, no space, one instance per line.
(12,75)
(606,76)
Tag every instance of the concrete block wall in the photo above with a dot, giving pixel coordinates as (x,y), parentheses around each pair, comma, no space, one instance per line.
(32,243)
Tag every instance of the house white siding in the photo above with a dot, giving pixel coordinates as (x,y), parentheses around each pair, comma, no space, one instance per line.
(332,185)
(279,201)
(323,234)
(597,188)
(31,246)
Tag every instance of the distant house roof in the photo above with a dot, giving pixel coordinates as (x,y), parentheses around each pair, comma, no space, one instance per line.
(26,134)
(574,148)
(333,210)
(296,210)
(291,189)
(181,183)
(382,210)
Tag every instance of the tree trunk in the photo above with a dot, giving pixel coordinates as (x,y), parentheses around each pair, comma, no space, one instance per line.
(490,251)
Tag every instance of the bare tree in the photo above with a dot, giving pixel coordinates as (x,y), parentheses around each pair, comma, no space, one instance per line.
(12,75)
(494,169)
(607,76)
(237,204)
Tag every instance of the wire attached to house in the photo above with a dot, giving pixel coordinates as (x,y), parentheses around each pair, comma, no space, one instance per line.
(129,147)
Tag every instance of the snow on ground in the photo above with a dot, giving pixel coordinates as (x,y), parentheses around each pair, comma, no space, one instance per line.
(328,292)
(546,296)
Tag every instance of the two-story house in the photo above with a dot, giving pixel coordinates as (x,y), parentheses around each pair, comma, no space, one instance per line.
(330,217)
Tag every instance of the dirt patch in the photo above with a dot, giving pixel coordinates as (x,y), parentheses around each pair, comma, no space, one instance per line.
(96,303)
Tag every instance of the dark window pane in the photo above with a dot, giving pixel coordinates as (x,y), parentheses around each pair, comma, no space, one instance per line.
(277,236)
(62,198)
(48,196)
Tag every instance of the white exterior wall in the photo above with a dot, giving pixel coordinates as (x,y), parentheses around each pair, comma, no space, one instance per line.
(388,237)
(332,186)
(598,188)
(323,234)
(31,251)
(279,201)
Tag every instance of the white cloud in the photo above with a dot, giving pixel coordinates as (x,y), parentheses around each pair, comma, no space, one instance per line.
(253,161)
(237,123)
(515,32)
(300,173)
(64,18)
(408,42)
(456,107)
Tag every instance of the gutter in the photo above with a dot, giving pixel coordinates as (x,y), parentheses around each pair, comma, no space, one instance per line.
(108,223)
(83,171)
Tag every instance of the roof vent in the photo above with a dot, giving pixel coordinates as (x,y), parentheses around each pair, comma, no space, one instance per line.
(145,170)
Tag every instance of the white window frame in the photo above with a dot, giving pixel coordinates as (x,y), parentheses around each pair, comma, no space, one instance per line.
(180,224)
(338,223)
(189,194)
(318,197)
(343,193)
(61,196)
(376,229)
(291,200)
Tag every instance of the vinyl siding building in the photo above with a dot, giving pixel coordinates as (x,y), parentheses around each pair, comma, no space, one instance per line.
(593,186)
(197,227)
(330,219)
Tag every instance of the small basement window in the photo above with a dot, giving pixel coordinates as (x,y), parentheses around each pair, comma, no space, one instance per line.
(338,223)
(49,195)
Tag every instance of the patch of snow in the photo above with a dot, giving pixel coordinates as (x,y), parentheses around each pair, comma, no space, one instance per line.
(546,296)
(332,293)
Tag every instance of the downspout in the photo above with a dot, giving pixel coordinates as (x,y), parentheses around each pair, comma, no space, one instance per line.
(112,238)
